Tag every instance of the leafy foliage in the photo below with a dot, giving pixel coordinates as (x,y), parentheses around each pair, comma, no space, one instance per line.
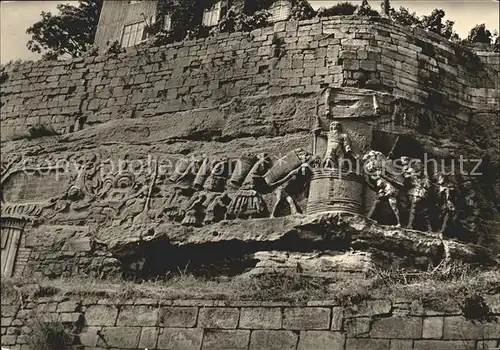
(479,34)
(405,17)
(343,8)
(433,22)
(114,48)
(186,17)
(71,32)
(301,10)
(235,21)
(48,335)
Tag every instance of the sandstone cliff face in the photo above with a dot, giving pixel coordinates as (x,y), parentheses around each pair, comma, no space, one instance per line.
(98,197)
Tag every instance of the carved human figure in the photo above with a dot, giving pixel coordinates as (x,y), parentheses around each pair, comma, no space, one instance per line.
(133,205)
(338,147)
(248,202)
(217,208)
(386,192)
(286,186)
(418,192)
(194,211)
(216,181)
(445,194)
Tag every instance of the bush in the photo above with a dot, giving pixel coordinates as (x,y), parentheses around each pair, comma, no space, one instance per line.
(234,21)
(47,334)
(41,130)
(341,9)
(302,11)
(113,48)
(479,34)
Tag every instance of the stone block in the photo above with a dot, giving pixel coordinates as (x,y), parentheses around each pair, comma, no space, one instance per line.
(88,336)
(180,339)
(433,328)
(368,65)
(487,344)
(273,340)
(226,318)
(492,329)
(101,315)
(119,337)
(68,306)
(178,316)
(9,339)
(149,337)
(9,310)
(457,327)
(337,318)
(357,327)
(349,64)
(401,344)
(443,344)
(397,328)
(306,318)
(260,318)
(6,321)
(70,317)
(369,308)
(314,340)
(366,343)
(137,315)
(215,339)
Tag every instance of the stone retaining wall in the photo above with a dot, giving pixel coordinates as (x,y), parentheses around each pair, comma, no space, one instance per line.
(212,324)
(291,57)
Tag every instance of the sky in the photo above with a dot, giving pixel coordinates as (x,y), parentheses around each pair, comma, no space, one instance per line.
(17,16)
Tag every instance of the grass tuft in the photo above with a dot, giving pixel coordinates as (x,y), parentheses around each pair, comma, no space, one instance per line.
(455,285)
(47,334)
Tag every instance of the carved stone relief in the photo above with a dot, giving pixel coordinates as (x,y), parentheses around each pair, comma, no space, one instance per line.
(10,232)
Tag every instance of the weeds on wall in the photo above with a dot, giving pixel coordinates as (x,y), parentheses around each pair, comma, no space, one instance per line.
(32,132)
(47,334)
(113,48)
(235,21)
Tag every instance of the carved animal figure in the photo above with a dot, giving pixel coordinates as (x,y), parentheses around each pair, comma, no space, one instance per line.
(285,175)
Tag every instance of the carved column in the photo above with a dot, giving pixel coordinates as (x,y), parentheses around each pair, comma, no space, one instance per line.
(10,231)
(334,191)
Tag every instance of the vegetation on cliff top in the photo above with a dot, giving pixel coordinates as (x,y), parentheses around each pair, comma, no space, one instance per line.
(71,32)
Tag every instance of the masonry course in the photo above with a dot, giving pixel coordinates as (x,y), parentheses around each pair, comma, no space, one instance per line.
(108,324)
(298,57)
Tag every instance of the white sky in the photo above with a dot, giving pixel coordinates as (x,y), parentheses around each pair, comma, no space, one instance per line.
(17,16)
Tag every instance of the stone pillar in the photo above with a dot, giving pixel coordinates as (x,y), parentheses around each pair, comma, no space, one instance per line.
(10,232)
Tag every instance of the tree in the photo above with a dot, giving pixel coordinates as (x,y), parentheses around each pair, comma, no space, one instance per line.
(479,34)
(386,6)
(405,17)
(434,23)
(71,32)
